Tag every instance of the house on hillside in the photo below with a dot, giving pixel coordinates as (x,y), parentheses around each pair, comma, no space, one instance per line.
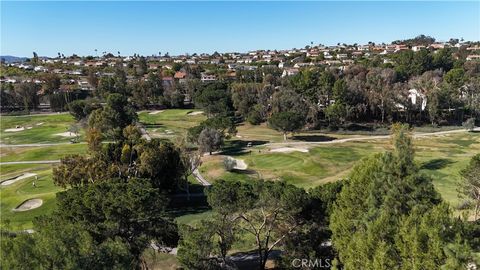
(473,57)
(289,72)
(208,77)
(180,76)
(414,96)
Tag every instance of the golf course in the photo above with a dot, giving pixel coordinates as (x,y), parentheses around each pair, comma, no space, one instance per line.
(31,146)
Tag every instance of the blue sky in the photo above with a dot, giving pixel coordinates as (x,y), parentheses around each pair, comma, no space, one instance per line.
(179,27)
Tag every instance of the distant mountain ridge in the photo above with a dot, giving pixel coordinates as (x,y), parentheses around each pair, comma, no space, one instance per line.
(12,59)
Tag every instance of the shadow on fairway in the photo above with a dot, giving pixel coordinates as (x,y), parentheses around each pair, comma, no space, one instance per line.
(436,164)
(153,125)
(313,138)
(238,147)
(247,172)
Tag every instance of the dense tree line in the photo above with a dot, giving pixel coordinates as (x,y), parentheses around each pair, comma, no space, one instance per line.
(416,88)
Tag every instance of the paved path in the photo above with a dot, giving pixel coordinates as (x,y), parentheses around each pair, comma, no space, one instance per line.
(30,162)
(145,134)
(200,178)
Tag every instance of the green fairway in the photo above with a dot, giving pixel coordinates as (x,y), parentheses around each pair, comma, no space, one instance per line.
(35,128)
(18,192)
(442,157)
(40,153)
(169,123)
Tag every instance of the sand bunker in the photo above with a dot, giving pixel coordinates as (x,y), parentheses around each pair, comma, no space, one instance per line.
(17,178)
(156,112)
(15,129)
(66,134)
(239,164)
(194,113)
(289,149)
(29,205)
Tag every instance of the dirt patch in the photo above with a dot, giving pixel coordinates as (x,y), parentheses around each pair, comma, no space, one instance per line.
(194,113)
(15,179)
(156,112)
(29,205)
(39,124)
(66,134)
(289,150)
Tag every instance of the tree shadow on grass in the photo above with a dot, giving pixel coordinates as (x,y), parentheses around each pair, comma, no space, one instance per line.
(238,147)
(436,164)
(313,138)
(153,125)
(247,172)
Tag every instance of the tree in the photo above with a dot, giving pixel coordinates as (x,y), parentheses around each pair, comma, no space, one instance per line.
(469,125)
(92,78)
(206,245)
(287,100)
(76,170)
(60,245)
(455,78)
(142,66)
(190,159)
(469,186)
(160,161)
(132,211)
(51,83)
(210,140)
(389,216)
(28,94)
(244,96)
(214,98)
(286,122)
(76,109)
(380,84)
(114,117)
(266,210)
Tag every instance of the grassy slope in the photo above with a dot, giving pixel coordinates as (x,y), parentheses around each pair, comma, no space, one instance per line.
(44,133)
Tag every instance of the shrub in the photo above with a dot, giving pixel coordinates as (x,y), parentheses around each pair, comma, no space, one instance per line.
(229,163)
(469,124)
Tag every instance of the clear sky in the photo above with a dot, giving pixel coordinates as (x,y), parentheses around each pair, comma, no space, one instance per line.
(180,27)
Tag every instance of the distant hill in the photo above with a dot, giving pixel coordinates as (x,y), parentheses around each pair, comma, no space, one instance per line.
(12,59)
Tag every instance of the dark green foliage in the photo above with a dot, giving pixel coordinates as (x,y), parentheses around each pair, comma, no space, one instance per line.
(214,98)
(469,186)
(286,122)
(111,119)
(99,226)
(159,161)
(388,215)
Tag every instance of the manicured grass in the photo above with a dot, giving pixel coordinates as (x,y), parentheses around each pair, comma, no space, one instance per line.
(40,153)
(169,123)
(43,128)
(16,193)
(441,157)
